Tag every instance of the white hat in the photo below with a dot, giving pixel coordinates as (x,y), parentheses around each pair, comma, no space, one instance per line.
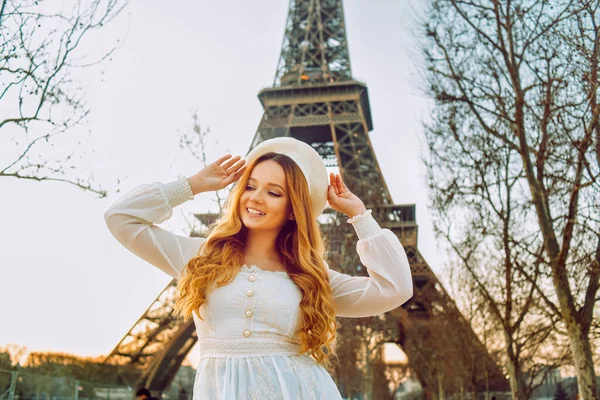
(309,161)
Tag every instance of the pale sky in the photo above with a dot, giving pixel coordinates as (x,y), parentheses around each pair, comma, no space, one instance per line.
(65,283)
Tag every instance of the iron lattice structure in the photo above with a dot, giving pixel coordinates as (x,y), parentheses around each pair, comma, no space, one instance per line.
(315,48)
(315,99)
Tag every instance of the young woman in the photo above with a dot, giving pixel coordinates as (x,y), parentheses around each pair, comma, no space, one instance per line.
(262,297)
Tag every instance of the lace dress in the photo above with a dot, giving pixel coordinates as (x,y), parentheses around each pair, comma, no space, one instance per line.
(248,349)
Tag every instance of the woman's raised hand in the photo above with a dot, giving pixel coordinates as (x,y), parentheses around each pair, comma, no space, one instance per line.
(218,175)
(341,199)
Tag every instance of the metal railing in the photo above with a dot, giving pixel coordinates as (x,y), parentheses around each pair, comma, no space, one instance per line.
(21,385)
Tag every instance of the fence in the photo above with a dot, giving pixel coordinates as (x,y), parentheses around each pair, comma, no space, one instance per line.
(21,385)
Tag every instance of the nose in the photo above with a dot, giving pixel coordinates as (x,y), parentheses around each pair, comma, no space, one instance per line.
(256,197)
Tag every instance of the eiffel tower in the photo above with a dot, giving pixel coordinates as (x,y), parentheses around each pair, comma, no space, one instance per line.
(315,99)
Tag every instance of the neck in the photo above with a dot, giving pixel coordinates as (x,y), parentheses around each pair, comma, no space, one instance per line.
(261,245)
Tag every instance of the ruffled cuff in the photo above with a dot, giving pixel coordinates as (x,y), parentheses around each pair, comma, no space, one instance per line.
(365,225)
(178,192)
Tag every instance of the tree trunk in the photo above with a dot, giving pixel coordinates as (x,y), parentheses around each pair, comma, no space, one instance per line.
(440,379)
(517,385)
(578,336)
(584,364)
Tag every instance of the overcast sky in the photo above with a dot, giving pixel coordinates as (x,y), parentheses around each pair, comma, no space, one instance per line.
(66,284)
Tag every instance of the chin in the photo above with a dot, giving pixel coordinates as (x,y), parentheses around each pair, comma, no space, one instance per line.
(250,223)
(260,225)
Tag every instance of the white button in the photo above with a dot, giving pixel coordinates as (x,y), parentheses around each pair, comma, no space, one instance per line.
(246,333)
(249,292)
(252,278)
(249,313)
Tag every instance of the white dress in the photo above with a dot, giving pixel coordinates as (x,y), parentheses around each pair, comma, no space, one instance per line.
(248,349)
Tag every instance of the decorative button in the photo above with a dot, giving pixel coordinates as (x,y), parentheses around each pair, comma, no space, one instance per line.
(252,278)
(249,292)
(248,313)
(246,333)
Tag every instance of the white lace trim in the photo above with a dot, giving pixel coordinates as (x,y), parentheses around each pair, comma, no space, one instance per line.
(253,269)
(210,347)
(365,225)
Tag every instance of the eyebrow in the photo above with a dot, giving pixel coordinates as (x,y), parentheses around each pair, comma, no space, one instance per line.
(269,183)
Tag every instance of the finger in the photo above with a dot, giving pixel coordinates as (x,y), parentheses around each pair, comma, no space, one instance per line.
(339,184)
(235,167)
(343,186)
(331,195)
(222,159)
(234,176)
(334,183)
(230,162)
(239,174)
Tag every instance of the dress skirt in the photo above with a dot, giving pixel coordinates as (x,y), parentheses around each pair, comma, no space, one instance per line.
(274,376)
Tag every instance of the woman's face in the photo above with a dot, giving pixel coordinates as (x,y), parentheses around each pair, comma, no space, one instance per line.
(265,203)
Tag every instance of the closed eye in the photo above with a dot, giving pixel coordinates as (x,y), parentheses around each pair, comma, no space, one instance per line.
(273,194)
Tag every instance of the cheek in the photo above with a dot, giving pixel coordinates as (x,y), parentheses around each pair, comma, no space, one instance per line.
(243,198)
(282,206)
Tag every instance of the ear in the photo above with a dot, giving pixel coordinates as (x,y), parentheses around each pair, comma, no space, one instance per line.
(292,217)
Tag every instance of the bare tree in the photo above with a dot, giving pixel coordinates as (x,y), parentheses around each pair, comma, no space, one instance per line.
(199,143)
(16,352)
(40,97)
(515,154)
(480,219)
(524,339)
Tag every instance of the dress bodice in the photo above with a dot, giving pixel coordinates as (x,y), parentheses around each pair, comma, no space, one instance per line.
(257,304)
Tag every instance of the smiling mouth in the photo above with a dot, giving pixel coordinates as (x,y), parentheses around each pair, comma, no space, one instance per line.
(254,212)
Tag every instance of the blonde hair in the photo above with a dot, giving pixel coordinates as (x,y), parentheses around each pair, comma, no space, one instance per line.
(299,243)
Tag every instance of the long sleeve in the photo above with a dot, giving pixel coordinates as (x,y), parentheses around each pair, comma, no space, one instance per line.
(132,219)
(389,284)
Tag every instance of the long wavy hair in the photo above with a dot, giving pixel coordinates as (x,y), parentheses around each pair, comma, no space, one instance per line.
(299,243)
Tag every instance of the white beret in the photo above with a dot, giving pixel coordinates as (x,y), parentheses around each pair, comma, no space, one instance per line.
(309,161)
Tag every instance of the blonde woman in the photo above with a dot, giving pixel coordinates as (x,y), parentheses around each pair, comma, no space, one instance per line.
(262,297)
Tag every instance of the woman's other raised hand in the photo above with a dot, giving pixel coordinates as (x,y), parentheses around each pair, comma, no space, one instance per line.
(341,199)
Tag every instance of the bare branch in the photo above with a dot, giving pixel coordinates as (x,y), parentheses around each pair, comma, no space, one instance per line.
(42,49)
(78,183)
(514,164)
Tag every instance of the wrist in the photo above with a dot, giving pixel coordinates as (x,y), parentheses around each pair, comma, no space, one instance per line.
(357,211)
(365,226)
(197,184)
